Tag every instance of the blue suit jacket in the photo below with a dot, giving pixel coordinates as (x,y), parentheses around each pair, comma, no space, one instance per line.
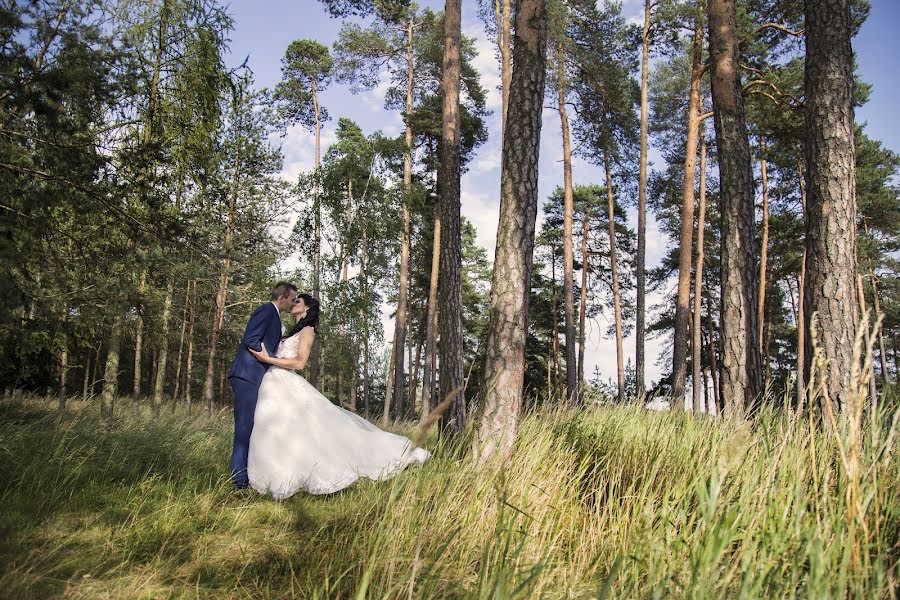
(264,326)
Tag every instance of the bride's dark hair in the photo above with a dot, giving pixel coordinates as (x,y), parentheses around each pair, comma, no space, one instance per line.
(310,320)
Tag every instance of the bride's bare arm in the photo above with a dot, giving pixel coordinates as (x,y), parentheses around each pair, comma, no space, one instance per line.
(295,362)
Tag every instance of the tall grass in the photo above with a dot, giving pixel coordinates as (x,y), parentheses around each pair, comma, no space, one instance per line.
(613,502)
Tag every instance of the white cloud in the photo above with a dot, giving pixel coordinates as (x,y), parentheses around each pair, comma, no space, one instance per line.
(486,64)
(299,148)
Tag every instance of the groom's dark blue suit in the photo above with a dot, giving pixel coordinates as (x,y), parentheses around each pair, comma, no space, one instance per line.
(245,375)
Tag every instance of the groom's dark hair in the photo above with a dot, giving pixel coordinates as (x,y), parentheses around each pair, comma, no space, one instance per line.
(283,288)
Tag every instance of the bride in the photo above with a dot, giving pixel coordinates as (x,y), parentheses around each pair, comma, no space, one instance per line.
(300,440)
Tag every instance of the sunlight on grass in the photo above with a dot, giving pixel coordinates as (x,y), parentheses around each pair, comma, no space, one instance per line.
(610,502)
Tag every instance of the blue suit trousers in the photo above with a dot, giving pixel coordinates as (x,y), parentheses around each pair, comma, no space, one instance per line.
(245,395)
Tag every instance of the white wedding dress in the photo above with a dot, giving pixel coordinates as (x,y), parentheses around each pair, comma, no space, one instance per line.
(301,441)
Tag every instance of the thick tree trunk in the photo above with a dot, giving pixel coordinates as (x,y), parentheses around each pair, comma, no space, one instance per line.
(741,369)
(764,244)
(111,372)
(431,323)
(568,250)
(614,269)
(448,179)
(683,307)
(831,180)
(697,338)
(642,207)
(504,371)
(582,313)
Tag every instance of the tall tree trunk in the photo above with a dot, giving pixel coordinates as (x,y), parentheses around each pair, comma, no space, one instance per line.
(448,179)
(163,349)
(87,379)
(63,357)
(639,330)
(222,291)
(184,320)
(683,307)
(582,313)
(389,383)
(354,379)
(885,376)
(503,14)
(697,338)
(801,303)
(504,364)
(139,338)
(764,244)
(431,323)
(403,292)
(741,369)
(315,357)
(111,372)
(554,315)
(831,180)
(414,380)
(711,349)
(568,250)
(614,268)
(189,364)
(366,375)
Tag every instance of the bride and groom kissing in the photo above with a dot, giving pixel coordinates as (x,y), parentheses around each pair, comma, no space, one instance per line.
(288,437)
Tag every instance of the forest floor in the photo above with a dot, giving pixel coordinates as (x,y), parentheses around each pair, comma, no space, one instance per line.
(608,502)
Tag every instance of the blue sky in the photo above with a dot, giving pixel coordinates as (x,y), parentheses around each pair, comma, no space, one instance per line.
(264,29)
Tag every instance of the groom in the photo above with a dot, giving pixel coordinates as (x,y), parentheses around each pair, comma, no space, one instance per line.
(246,372)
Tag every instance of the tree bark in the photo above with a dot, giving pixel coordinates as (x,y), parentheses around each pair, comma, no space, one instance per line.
(315,358)
(505,353)
(389,382)
(502,15)
(741,372)
(163,349)
(189,364)
(568,250)
(831,181)
(582,313)
(87,379)
(452,368)
(639,330)
(801,302)
(697,338)
(764,244)
(139,339)
(683,307)
(614,269)
(111,372)
(403,292)
(431,324)
(184,320)
(63,357)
